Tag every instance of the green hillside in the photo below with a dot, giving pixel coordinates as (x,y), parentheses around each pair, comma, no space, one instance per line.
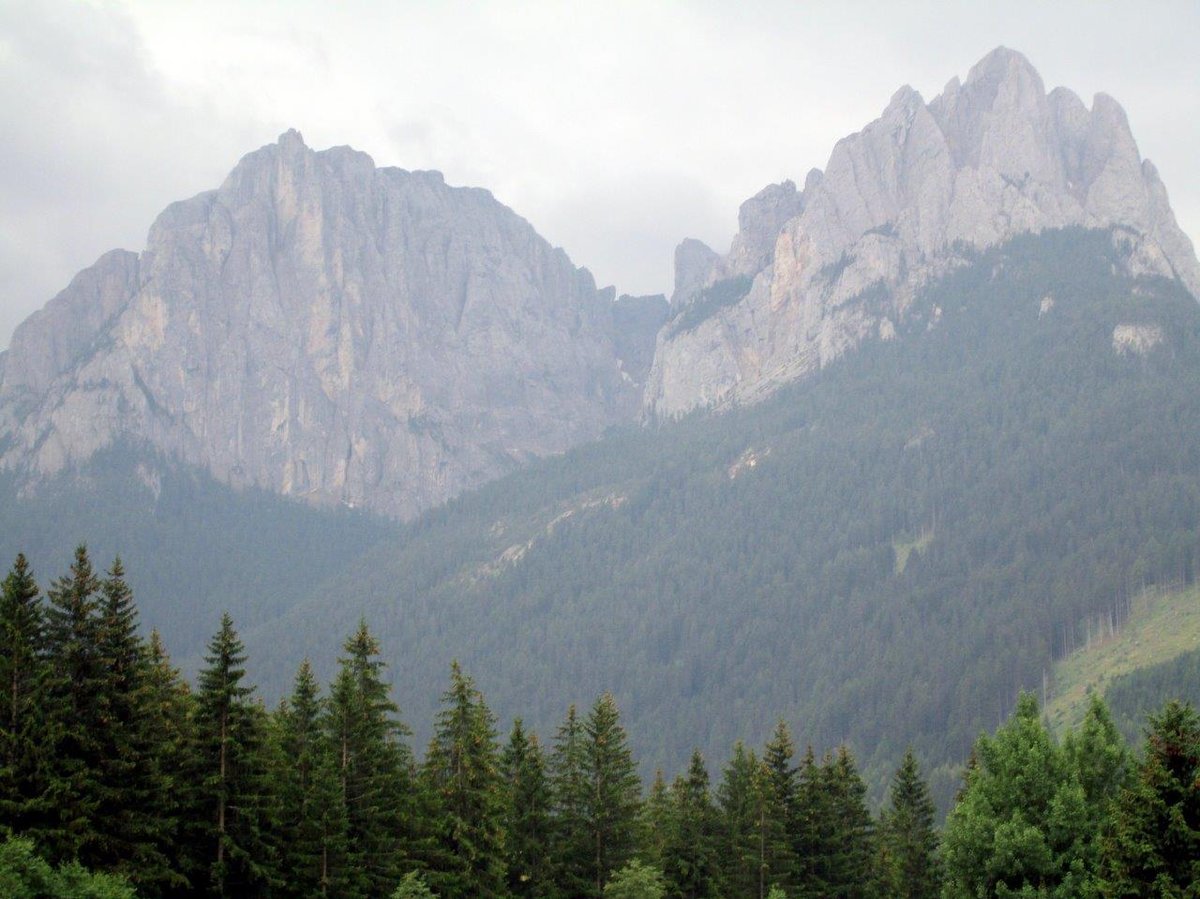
(925,528)
(1162,626)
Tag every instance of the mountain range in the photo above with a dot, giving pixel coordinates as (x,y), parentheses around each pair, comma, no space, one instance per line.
(941,396)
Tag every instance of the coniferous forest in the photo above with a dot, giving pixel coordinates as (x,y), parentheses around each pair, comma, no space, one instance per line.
(120,779)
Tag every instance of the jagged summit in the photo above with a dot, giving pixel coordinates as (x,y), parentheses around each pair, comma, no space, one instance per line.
(989,158)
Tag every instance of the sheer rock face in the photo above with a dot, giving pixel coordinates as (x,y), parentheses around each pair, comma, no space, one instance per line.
(839,262)
(327,330)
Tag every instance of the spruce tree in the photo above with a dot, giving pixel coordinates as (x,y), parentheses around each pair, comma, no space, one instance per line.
(462,771)
(908,841)
(1152,846)
(613,795)
(233,782)
(569,787)
(374,769)
(312,812)
(781,817)
(849,837)
(690,865)
(74,712)
(527,823)
(24,741)
(741,799)
(657,824)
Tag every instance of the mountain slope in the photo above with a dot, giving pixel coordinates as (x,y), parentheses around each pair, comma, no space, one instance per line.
(327,330)
(900,203)
(1036,451)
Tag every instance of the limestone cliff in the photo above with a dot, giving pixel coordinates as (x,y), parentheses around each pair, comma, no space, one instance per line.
(329,330)
(815,272)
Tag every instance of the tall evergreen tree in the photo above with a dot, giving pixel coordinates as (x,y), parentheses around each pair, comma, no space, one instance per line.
(613,796)
(781,818)
(462,771)
(527,823)
(690,866)
(848,841)
(908,840)
(569,787)
(374,766)
(233,781)
(24,741)
(657,822)
(742,800)
(1152,847)
(312,811)
(73,699)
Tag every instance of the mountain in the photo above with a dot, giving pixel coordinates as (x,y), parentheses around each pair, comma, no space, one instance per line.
(815,272)
(323,329)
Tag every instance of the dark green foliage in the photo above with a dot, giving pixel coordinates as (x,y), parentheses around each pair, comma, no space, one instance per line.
(527,821)
(1152,848)
(462,771)
(1132,696)
(613,798)
(690,862)
(26,875)
(373,767)
(1052,476)
(313,823)
(742,800)
(711,299)
(908,842)
(783,820)
(835,851)
(233,794)
(25,749)
(569,786)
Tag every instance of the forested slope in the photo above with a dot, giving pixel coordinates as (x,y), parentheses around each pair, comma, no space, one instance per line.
(720,570)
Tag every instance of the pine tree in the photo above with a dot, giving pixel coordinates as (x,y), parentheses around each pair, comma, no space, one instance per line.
(907,836)
(1152,847)
(613,796)
(527,823)
(24,743)
(374,767)
(690,866)
(312,811)
(569,791)
(73,700)
(233,781)
(462,771)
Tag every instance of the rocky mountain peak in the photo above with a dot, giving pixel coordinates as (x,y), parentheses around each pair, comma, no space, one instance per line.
(989,158)
(325,329)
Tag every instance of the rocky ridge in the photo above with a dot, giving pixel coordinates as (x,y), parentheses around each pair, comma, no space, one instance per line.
(819,270)
(328,330)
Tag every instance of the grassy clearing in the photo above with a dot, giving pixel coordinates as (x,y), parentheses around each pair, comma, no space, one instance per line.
(1162,625)
(904,549)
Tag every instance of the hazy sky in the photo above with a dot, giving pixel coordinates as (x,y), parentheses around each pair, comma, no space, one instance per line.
(617,128)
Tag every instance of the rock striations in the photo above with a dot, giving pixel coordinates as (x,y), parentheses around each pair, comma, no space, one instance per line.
(324,329)
(327,330)
(818,271)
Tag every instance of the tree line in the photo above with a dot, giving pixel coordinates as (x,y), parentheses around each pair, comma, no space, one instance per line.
(117,778)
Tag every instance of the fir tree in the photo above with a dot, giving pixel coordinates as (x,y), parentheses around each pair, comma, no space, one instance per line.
(24,744)
(742,800)
(781,813)
(907,837)
(849,832)
(613,795)
(374,767)
(233,782)
(527,815)
(462,771)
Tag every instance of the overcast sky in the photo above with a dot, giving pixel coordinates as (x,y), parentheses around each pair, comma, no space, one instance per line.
(616,128)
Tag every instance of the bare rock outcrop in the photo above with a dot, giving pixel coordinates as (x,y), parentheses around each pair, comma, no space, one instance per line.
(325,329)
(840,261)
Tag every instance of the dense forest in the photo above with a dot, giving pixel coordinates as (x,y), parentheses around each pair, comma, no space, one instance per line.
(992,483)
(119,779)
